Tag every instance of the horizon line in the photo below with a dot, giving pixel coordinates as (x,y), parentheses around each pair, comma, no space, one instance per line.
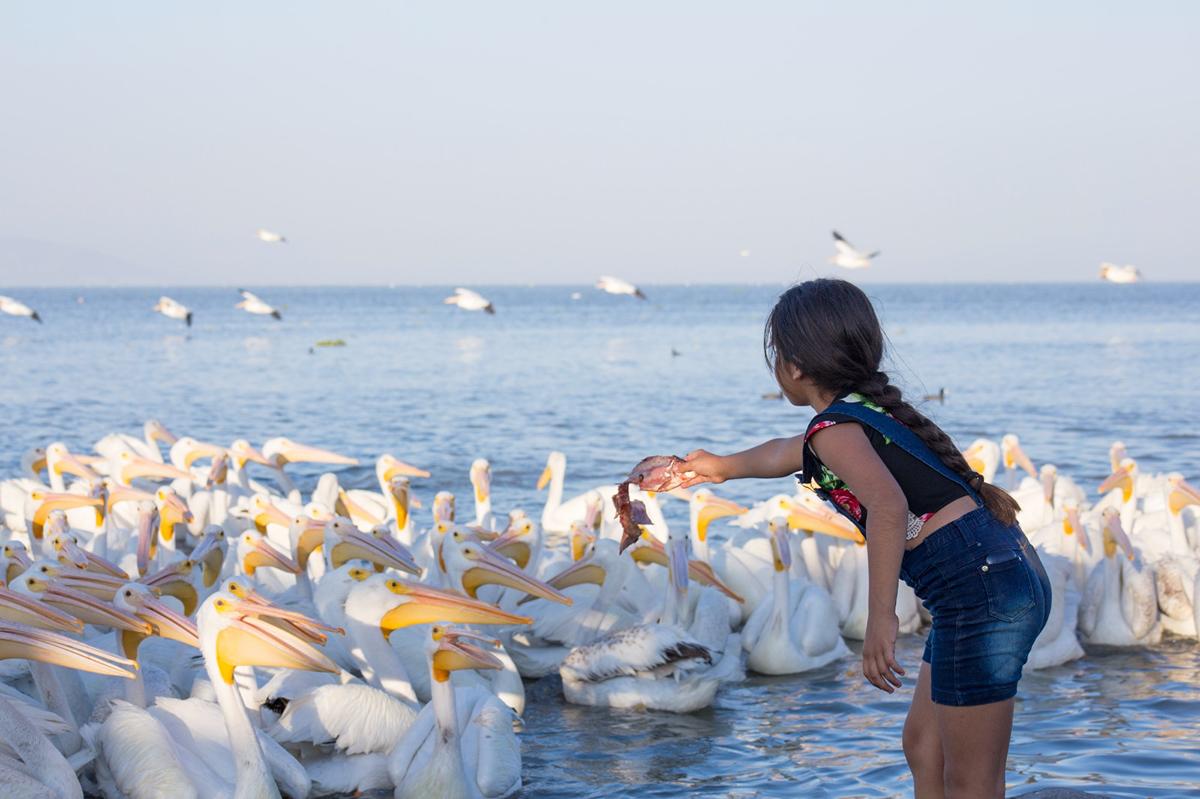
(558,284)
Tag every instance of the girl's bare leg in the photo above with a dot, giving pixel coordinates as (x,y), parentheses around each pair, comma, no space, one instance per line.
(923,741)
(975,746)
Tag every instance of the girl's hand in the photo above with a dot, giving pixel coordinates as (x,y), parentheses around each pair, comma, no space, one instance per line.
(879,652)
(708,468)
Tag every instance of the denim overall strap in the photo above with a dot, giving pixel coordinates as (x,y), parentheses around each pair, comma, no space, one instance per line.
(901,436)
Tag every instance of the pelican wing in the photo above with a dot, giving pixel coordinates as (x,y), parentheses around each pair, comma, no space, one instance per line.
(844,247)
(250,296)
(645,648)
(354,718)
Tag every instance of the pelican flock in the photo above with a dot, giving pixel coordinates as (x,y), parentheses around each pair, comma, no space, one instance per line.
(182,617)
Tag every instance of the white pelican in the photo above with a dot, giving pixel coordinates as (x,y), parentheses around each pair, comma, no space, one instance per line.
(181,747)
(32,765)
(557,515)
(1120,606)
(1119,274)
(1058,642)
(984,457)
(269,237)
(460,749)
(252,303)
(848,257)
(656,666)
(615,285)
(1014,457)
(153,434)
(795,629)
(173,309)
(1163,539)
(470,301)
(15,308)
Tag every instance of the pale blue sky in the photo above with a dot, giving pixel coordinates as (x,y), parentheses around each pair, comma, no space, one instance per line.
(488,142)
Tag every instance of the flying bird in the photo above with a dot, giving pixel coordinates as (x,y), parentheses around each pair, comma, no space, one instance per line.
(848,257)
(1119,274)
(270,237)
(615,285)
(173,309)
(14,308)
(470,301)
(252,303)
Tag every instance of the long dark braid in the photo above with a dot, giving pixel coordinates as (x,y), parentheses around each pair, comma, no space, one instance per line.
(829,330)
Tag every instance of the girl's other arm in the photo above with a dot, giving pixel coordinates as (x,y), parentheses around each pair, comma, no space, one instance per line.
(845,449)
(778,457)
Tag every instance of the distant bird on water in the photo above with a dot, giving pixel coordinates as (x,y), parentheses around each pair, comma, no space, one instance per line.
(848,257)
(470,301)
(173,309)
(270,237)
(615,285)
(14,308)
(1119,274)
(252,303)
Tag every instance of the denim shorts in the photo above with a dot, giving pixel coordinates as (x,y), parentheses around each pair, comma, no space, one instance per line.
(989,597)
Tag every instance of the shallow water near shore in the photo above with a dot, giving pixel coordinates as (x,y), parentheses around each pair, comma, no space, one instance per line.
(1069,368)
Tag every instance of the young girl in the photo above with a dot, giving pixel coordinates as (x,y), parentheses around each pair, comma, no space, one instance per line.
(927,518)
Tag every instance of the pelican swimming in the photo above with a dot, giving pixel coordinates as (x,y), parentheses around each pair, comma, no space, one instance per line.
(16,308)
(795,628)
(615,285)
(1120,605)
(1058,642)
(659,666)
(252,303)
(469,300)
(191,747)
(173,309)
(847,256)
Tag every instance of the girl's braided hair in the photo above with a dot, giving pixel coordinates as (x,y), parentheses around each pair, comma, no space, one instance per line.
(829,330)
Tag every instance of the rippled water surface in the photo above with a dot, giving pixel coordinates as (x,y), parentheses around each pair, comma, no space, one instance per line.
(1068,368)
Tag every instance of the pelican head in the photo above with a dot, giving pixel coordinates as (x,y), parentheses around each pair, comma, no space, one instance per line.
(1123,477)
(481,479)
(393,604)
(451,650)
(443,507)
(236,633)
(1114,534)
(470,564)
(282,451)
(1014,456)
(60,461)
(1180,493)
(254,551)
(556,463)
(343,541)
(517,542)
(708,507)
(389,466)
(140,601)
(781,547)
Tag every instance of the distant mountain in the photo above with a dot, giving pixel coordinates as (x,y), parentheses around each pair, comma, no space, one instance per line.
(32,262)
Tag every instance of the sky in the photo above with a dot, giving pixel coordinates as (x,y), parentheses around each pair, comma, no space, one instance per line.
(551,142)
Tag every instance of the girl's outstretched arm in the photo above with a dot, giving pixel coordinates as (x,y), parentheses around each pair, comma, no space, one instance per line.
(845,449)
(778,457)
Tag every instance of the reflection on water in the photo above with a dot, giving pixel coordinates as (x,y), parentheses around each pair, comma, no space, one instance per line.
(1068,368)
(1125,723)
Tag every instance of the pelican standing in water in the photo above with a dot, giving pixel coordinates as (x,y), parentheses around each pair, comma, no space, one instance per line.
(252,303)
(462,745)
(16,308)
(615,285)
(470,301)
(173,309)
(795,629)
(847,256)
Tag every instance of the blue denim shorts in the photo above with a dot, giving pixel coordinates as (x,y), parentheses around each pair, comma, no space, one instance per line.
(989,597)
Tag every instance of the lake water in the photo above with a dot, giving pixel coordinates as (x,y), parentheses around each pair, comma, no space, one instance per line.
(1069,368)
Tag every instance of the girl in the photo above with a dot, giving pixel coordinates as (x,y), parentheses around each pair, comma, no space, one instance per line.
(928,519)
